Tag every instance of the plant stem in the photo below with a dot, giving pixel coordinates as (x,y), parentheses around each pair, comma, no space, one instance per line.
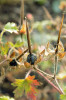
(56,51)
(58,85)
(21,54)
(28,38)
(28,73)
(51,76)
(22,12)
(1,35)
(3,62)
(55,67)
(61,92)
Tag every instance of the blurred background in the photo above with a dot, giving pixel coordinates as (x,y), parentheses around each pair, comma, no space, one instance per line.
(44,17)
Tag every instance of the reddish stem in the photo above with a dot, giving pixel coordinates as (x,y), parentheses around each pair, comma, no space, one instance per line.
(61,92)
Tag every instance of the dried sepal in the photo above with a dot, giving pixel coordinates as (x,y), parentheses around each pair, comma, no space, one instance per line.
(23,29)
(27,65)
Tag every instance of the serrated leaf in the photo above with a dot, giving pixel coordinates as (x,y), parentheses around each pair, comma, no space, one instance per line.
(11,27)
(28,85)
(18,92)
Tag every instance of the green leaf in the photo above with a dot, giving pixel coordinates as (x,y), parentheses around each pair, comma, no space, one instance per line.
(18,92)
(11,27)
(17,44)
(26,85)
(4,48)
(12,45)
(22,85)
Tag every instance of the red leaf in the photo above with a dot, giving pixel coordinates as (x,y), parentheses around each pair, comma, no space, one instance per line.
(31,95)
(35,82)
(30,77)
(33,91)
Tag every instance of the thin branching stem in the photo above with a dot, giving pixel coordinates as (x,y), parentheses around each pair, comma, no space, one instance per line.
(16,58)
(60,30)
(28,38)
(51,76)
(4,61)
(22,12)
(48,14)
(21,54)
(1,34)
(58,85)
(56,51)
(28,73)
(61,92)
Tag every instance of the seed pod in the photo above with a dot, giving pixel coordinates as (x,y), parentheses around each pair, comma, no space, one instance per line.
(13,63)
(31,58)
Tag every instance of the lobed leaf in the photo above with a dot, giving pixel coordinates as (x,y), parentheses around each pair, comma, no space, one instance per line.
(28,85)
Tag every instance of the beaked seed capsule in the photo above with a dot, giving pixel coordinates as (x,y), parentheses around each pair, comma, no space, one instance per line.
(13,63)
(31,58)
